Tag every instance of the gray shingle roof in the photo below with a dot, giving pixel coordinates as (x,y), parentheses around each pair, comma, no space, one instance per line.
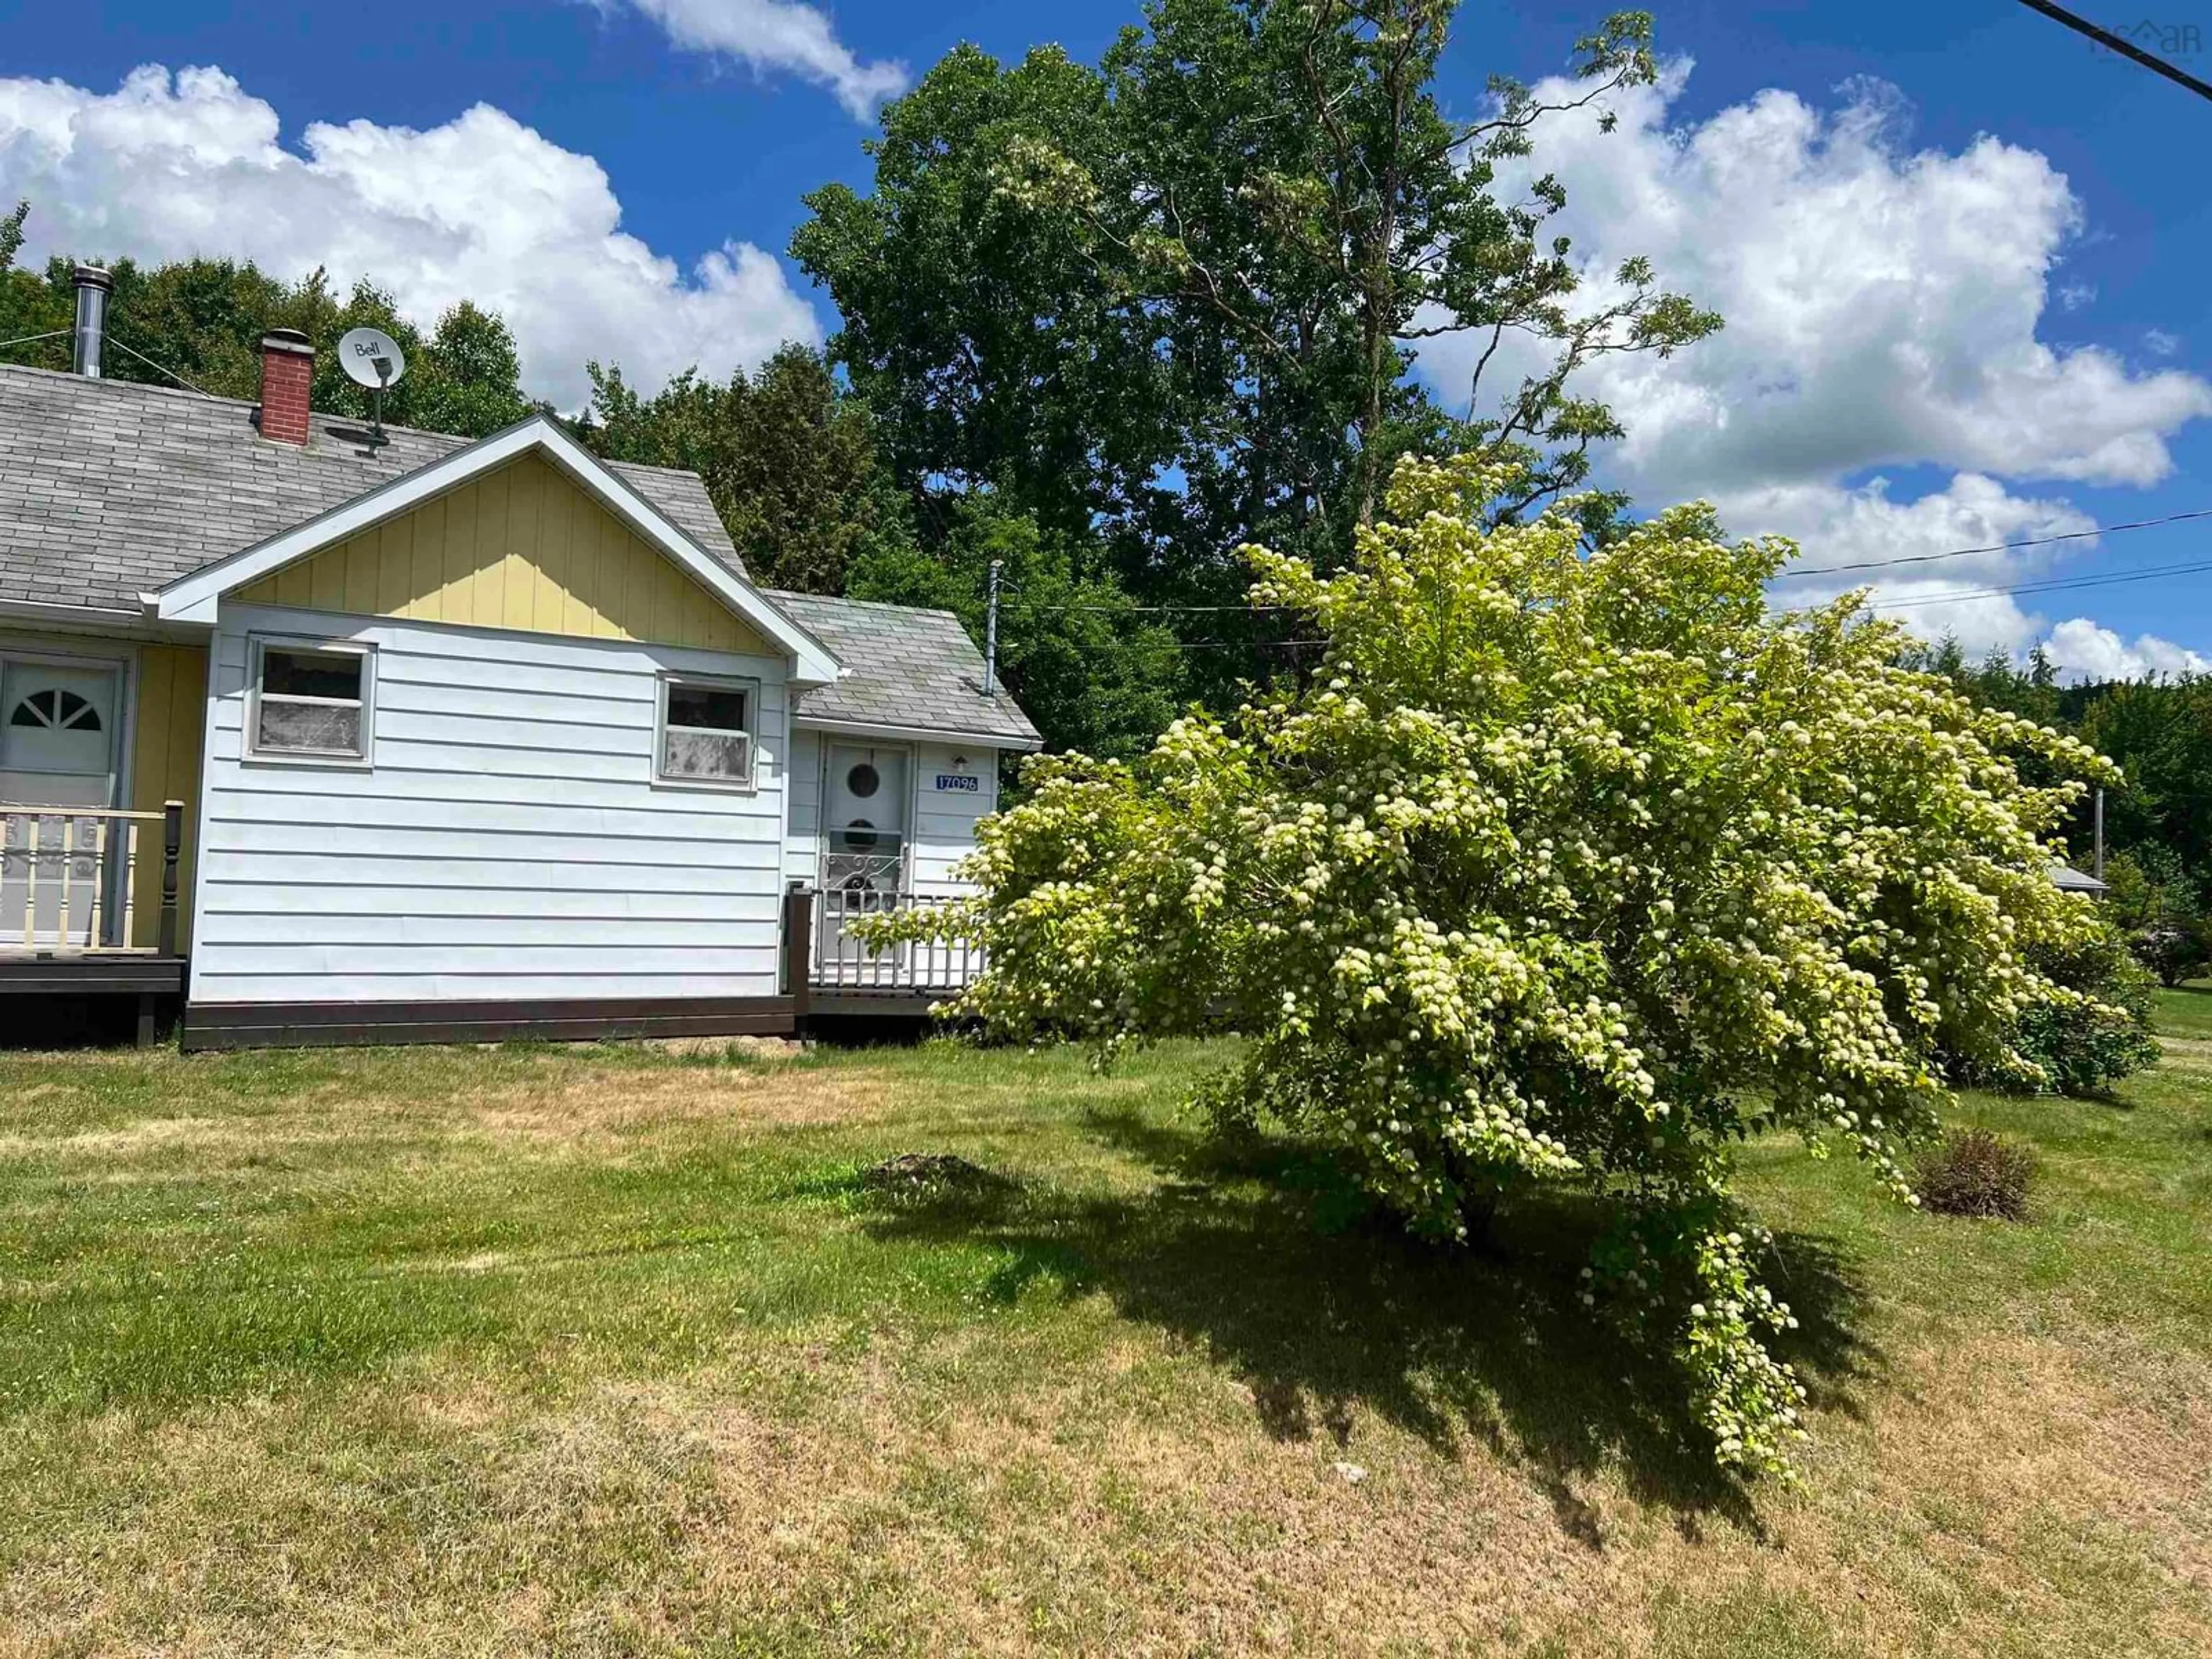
(904,667)
(110,489)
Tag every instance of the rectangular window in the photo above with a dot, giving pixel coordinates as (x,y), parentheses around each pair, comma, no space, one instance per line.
(706,732)
(311,700)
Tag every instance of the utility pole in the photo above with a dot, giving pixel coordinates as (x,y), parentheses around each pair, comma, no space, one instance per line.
(991,636)
(2100,832)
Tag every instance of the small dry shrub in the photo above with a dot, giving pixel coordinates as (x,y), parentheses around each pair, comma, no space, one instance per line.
(928,1175)
(1975,1173)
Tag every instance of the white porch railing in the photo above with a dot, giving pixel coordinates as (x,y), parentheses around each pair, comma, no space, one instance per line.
(79,879)
(834,959)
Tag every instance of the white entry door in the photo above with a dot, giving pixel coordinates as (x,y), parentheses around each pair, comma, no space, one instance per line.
(866,797)
(58,748)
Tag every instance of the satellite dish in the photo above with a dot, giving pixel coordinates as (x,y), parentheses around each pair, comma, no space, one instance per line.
(372,358)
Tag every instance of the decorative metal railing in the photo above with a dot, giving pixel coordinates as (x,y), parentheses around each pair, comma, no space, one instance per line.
(819,939)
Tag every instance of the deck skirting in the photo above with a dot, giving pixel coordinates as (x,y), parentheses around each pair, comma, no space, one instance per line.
(139,973)
(334,1024)
(901,1004)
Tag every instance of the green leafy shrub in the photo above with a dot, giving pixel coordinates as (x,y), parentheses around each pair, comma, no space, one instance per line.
(2151,896)
(1567,869)
(1974,1173)
(2084,1048)
(2174,948)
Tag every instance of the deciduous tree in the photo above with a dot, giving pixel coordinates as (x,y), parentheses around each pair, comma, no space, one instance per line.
(788,458)
(199,323)
(1091,670)
(1175,297)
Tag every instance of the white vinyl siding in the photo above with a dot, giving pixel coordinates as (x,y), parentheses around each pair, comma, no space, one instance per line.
(802,846)
(944,819)
(507,841)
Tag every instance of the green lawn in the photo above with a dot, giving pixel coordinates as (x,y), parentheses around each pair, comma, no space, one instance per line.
(608,1351)
(2186,1010)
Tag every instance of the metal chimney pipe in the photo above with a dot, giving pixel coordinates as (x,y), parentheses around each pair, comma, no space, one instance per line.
(93,287)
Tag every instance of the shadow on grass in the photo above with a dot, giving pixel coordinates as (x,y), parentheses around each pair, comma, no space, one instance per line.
(1263,1258)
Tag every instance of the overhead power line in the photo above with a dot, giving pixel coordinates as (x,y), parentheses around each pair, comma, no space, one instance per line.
(1145,609)
(2189,516)
(2122,45)
(1237,645)
(59,333)
(2053,586)
(2040,585)
(1998,547)
(162,367)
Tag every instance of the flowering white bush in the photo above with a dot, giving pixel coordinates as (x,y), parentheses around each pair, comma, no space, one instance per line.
(1564,869)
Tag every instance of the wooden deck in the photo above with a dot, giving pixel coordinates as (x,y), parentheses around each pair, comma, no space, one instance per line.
(156,980)
(69,941)
(832,975)
(81,915)
(913,1003)
(55,973)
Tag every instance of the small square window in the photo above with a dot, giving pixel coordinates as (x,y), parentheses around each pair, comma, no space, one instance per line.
(310,701)
(705,732)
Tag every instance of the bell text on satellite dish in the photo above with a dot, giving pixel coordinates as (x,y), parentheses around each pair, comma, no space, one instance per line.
(370,357)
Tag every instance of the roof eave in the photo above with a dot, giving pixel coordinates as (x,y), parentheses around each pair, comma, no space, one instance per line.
(1025,744)
(47,611)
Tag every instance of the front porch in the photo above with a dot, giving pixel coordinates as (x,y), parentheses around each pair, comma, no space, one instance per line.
(89,905)
(831,975)
(90,908)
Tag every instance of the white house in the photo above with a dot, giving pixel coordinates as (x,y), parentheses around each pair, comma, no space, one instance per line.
(344,739)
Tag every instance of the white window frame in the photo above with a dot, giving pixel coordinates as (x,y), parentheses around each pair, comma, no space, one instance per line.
(751,687)
(260,645)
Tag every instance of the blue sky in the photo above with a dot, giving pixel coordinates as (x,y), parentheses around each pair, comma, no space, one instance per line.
(1960,249)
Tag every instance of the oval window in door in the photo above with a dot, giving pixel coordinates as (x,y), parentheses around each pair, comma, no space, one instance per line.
(863,781)
(859,835)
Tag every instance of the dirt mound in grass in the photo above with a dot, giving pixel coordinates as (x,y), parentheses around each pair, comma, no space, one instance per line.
(926,1174)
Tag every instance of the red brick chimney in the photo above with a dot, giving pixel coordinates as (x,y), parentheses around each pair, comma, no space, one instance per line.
(288,369)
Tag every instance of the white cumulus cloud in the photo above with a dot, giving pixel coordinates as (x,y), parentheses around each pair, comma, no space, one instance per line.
(1882,306)
(481,208)
(776,34)
(2085,651)
(1881,303)
(1866,527)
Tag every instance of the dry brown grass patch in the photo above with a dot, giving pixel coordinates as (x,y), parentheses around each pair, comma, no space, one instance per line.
(145,1134)
(599,1107)
(1071,1516)
(768,1049)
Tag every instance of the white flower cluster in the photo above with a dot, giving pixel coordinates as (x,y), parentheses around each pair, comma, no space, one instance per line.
(1562,869)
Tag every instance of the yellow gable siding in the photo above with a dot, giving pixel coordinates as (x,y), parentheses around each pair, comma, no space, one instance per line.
(521,548)
(169,726)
